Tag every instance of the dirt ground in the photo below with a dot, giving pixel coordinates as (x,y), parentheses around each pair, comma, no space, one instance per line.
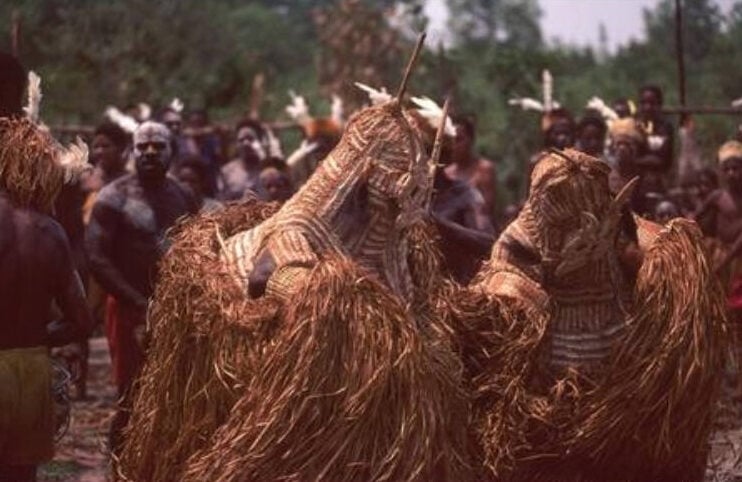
(82,453)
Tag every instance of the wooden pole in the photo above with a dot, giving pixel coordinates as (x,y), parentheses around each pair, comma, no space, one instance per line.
(15,33)
(257,92)
(683,110)
(680,51)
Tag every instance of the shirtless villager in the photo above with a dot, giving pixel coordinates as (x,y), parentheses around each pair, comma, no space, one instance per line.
(36,269)
(724,209)
(125,240)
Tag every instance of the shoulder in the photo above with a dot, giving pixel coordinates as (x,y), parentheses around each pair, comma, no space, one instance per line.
(232,166)
(48,228)
(172,185)
(486,164)
(91,181)
(114,193)
(181,192)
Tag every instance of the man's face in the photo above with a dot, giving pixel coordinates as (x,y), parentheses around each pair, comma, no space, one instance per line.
(592,140)
(732,170)
(249,145)
(275,184)
(152,151)
(705,186)
(197,120)
(622,109)
(106,154)
(462,143)
(174,122)
(561,135)
(649,104)
(190,178)
(665,211)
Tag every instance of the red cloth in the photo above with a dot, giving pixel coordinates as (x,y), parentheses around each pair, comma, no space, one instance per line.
(734,299)
(126,353)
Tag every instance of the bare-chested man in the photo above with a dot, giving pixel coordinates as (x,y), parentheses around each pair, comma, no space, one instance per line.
(659,131)
(125,240)
(479,173)
(108,155)
(725,205)
(36,269)
(242,174)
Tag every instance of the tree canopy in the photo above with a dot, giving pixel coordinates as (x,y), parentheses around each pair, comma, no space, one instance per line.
(92,54)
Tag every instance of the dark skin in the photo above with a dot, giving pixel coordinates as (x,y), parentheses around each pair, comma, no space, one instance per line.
(561,135)
(242,173)
(726,206)
(127,227)
(591,140)
(477,172)
(650,114)
(109,162)
(649,105)
(276,185)
(36,268)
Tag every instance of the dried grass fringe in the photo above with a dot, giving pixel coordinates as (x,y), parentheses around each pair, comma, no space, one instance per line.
(648,419)
(28,170)
(345,384)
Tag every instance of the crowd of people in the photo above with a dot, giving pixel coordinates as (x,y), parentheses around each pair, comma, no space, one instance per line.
(115,219)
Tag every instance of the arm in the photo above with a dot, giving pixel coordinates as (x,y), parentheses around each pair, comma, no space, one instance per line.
(710,203)
(731,254)
(99,240)
(470,240)
(70,297)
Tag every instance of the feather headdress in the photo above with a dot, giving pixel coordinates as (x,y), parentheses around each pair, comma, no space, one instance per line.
(34,97)
(376,96)
(298,110)
(434,114)
(144,111)
(337,110)
(597,104)
(73,158)
(547,104)
(177,105)
(126,122)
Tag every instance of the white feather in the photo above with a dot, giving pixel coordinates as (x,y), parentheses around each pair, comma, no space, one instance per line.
(527,103)
(298,109)
(74,159)
(596,103)
(144,111)
(304,149)
(737,103)
(547,86)
(273,145)
(376,96)
(433,113)
(336,109)
(34,97)
(127,123)
(177,105)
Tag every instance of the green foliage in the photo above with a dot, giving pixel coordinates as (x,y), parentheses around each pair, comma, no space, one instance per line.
(92,53)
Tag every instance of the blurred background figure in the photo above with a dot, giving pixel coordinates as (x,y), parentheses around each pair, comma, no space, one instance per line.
(659,131)
(478,172)
(242,173)
(192,171)
(591,133)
